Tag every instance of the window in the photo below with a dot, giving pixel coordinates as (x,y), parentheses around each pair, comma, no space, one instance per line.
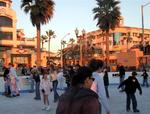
(6,35)
(3,4)
(5,21)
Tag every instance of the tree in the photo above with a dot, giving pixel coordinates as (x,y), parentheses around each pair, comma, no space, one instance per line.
(107,13)
(50,34)
(41,11)
(43,40)
(72,48)
(128,39)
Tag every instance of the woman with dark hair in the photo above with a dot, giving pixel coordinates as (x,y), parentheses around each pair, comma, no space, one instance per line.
(79,98)
(98,85)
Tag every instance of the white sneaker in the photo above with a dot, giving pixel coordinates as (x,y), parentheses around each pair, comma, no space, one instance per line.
(44,107)
(48,108)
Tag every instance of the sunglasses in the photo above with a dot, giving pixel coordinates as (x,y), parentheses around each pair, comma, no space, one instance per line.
(92,78)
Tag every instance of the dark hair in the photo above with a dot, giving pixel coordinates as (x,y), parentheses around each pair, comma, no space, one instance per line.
(11,64)
(81,75)
(134,73)
(95,64)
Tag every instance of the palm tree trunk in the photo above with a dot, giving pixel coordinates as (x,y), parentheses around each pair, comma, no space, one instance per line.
(38,45)
(107,48)
(127,44)
(49,43)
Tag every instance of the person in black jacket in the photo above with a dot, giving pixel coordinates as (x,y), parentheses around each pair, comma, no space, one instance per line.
(131,84)
(145,78)
(121,70)
(79,98)
(106,82)
(7,88)
(36,77)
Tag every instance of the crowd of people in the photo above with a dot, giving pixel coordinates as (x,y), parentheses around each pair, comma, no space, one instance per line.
(87,87)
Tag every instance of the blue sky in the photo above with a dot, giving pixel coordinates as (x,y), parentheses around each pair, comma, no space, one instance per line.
(70,14)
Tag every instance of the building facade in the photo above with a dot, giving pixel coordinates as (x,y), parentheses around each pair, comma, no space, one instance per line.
(125,46)
(14,46)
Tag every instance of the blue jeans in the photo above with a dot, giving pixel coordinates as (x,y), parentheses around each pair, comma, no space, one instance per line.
(145,81)
(131,97)
(37,90)
(121,80)
(56,96)
(32,85)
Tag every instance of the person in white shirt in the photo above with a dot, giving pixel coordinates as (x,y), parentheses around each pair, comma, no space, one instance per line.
(98,85)
(45,87)
(61,79)
(14,79)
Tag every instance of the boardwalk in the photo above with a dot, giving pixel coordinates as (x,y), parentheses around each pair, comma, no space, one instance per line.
(25,104)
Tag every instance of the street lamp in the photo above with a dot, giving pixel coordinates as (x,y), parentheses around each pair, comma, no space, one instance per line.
(142,14)
(62,47)
(80,39)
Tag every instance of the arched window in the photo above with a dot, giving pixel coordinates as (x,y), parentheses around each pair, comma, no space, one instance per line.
(3,4)
(5,21)
(6,35)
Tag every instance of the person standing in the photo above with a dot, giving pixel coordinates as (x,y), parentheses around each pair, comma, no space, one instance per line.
(121,70)
(131,84)
(98,85)
(7,86)
(106,82)
(79,98)
(145,78)
(45,87)
(14,80)
(53,77)
(61,79)
(36,77)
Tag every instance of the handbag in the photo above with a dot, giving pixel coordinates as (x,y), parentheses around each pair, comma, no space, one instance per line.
(43,91)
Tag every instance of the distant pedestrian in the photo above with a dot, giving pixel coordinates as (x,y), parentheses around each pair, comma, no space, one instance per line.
(69,74)
(61,79)
(7,82)
(79,98)
(53,77)
(45,87)
(121,70)
(14,80)
(106,82)
(36,77)
(145,78)
(98,85)
(131,84)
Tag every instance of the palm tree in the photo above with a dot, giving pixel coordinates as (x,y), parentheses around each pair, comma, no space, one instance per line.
(43,40)
(72,48)
(107,13)
(50,34)
(90,39)
(41,11)
(62,52)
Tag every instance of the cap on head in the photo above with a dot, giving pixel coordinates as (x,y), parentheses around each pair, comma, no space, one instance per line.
(134,73)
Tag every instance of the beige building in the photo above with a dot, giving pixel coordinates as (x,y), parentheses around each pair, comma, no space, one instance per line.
(124,46)
(14,46)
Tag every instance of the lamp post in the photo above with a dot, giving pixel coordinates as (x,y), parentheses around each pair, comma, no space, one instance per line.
(62,47)
(80,39)
(142,14)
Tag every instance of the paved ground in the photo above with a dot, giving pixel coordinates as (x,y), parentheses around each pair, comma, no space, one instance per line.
(25,104)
